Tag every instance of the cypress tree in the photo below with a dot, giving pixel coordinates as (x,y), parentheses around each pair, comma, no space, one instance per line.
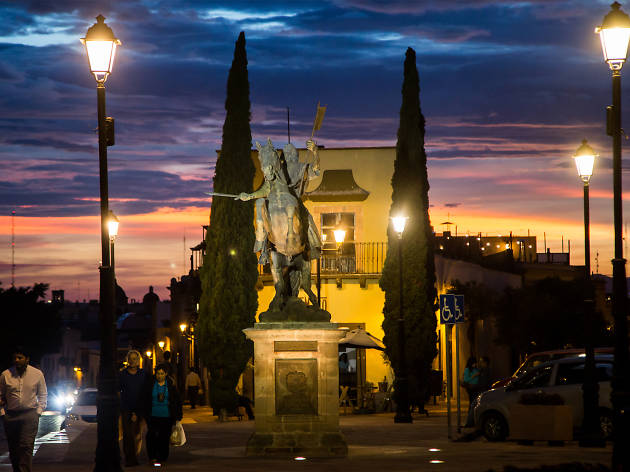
(229,299)
(410,197)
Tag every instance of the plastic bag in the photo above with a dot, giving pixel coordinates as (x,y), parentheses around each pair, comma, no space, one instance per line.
(178,437)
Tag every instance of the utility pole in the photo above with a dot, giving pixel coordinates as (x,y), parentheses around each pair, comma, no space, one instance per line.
(13,249)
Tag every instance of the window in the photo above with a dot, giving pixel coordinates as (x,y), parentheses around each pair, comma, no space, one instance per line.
(535,379)
(87,398)
(332,221)
(570,374)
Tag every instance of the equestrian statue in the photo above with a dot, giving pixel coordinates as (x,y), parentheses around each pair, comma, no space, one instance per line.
(286,235)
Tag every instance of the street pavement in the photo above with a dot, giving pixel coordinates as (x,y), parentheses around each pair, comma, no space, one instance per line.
(375,443)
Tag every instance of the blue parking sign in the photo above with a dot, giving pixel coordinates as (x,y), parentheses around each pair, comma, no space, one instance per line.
(451,309)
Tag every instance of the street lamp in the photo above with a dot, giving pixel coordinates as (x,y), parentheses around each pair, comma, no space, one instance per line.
(112,224)
(182,327)
(591,435)
(100,46)
(403,414)
(614,34)
(161,344)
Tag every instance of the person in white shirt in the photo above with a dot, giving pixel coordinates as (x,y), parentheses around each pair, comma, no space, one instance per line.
(193,384)
(23,398)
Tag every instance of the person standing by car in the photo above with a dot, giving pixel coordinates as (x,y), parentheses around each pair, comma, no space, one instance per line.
(162,408)
(471,385)
(484,375)
(132,381)
(23,398)
(193,384)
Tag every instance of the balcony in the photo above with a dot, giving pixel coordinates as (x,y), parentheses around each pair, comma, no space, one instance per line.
(352,258)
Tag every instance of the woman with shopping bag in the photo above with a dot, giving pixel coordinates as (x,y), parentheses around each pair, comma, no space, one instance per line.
(163,408)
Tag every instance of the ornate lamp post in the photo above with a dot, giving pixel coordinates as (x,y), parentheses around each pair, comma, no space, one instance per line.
(614,34)
(591,437)
(100,46)
(403,414)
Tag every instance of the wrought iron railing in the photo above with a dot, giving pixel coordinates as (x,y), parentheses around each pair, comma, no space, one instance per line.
(352,258)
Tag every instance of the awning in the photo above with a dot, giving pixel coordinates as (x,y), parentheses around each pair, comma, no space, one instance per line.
(361,338)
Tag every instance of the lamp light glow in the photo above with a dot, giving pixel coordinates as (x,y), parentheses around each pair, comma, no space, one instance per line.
(112,224)
(614,34)
(100,46)
(399,223)
(182,327)
(340,235)
(149,353)
(161,344)
(584,161)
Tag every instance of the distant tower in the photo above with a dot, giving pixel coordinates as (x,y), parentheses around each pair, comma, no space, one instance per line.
(13,249)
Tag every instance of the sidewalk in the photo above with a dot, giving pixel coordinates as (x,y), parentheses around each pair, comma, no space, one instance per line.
(375,443)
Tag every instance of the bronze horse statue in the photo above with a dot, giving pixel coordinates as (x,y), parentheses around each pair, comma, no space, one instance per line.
(286,234)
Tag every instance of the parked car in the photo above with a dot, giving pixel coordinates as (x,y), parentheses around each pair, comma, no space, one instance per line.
(84,409)
(563,377)
(537,358)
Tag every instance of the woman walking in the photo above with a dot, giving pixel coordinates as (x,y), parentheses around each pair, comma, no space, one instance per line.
(163,408)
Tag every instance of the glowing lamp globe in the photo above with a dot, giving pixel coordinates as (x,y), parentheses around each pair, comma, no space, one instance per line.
(340,235)
(100,46)
(614,34)
(113,223)
(399,223)
(584,161)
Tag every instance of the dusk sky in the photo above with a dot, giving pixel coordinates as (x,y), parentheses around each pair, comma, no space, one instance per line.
(508,89)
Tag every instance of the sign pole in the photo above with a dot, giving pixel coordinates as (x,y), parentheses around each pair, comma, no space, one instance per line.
(452,313)
(449,377)
(458,390)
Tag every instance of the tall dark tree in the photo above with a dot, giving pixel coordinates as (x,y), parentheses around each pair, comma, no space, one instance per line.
(410,197)
(229,299)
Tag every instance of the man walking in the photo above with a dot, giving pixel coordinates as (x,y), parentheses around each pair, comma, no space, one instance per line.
(193,384)
(132,380)
(23,398)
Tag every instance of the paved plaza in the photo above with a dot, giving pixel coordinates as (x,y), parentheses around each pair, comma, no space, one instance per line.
(375,443)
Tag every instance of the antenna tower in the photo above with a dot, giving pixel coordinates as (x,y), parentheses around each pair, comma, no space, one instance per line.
(13,249)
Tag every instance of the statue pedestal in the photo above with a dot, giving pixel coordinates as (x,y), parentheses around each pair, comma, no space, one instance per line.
(296,382)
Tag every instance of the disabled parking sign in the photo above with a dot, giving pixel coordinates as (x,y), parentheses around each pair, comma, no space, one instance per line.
(451,309)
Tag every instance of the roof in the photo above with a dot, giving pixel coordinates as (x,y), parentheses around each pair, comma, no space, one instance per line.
(338,185)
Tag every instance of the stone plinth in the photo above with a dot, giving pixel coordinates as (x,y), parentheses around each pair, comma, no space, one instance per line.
(296,382)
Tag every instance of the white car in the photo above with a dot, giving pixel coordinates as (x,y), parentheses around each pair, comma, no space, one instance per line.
(563,377)
(84,407)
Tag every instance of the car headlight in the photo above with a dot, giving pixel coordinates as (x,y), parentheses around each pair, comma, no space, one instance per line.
(58,402)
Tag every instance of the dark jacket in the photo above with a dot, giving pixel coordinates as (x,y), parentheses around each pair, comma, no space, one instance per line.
(175,411)
(131,387)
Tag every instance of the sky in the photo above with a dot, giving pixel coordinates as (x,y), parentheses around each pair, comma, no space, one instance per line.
(508,89)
